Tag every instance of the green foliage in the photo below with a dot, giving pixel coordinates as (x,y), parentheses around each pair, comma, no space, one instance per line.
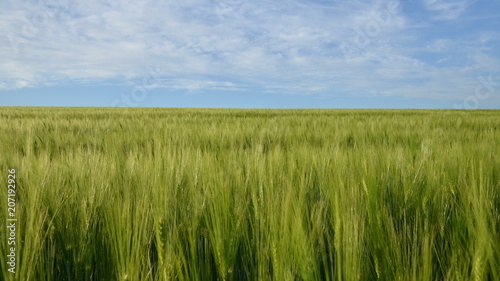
(220,194)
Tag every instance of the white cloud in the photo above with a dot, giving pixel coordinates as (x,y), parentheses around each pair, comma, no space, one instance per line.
(194,85)
(14,84)
(447,9)
(440,45)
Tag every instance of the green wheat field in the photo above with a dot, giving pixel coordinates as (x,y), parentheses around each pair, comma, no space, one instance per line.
(236,194)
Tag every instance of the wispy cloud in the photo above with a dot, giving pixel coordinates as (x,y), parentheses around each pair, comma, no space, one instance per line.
(447,9)
(296,46)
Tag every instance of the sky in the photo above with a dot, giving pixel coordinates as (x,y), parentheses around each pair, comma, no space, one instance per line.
(251,54)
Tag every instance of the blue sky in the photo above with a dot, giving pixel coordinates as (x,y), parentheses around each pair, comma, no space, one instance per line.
(263,54)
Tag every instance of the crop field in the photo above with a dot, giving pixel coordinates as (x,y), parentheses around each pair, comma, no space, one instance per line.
(234,194)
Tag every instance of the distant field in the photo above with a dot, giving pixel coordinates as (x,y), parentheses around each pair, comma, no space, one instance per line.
(219,194)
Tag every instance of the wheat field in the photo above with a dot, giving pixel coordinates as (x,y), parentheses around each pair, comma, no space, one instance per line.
(251,194)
